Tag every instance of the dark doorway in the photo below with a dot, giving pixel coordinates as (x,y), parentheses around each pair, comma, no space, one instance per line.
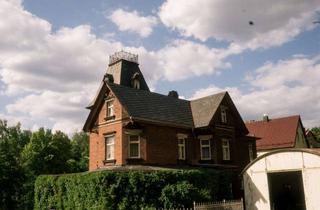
(286,191)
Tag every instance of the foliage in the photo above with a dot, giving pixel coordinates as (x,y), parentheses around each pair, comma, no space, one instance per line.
(25,155)
(316,132)
(12,140)
(128,190)
(47,153)
(80,152)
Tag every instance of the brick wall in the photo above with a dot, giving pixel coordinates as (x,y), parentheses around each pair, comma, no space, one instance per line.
(162,144)
(97,147)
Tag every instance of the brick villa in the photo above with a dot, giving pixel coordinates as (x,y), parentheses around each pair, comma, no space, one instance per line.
(130,125)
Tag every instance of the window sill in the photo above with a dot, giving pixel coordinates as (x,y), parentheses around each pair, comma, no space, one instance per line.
(110,118)
(206,161)
(109,161)
(181,161)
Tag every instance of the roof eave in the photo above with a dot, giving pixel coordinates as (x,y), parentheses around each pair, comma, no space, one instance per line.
(158,122)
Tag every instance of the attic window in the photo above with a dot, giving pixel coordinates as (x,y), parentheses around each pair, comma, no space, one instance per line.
(109,109)
(223,114)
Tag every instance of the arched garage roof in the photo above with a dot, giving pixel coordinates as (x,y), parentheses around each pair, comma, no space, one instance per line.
(305,150)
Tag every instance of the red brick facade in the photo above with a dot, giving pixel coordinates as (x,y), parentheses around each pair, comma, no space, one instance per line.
(159,143)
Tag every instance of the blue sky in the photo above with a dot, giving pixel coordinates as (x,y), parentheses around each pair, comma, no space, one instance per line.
(54,53)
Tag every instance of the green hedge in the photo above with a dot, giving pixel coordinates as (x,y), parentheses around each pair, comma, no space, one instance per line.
(130,190)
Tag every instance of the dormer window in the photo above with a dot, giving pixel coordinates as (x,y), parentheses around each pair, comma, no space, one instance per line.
(223,114)
(136,83)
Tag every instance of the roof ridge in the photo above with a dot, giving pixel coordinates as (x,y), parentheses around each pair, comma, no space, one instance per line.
(270,119)
(149,92)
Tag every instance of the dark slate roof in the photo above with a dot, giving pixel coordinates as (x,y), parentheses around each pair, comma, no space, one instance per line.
(203,109)
(145,105)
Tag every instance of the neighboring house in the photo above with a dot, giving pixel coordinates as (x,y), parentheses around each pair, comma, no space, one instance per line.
(312,139)
(285,132)
(129,124)
(283,179)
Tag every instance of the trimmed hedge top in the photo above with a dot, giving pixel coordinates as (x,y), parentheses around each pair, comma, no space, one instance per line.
(131,189)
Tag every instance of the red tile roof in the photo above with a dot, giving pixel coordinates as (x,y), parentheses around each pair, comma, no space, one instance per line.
(275,133)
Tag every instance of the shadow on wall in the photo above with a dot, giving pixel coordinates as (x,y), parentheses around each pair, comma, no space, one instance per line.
(253,197)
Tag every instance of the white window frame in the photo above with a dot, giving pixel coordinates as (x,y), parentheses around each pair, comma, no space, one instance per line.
(110,108)
(133,142)
(250,150)
(109,145)
(223,114)
(226,149)
(205,138)
(182,147)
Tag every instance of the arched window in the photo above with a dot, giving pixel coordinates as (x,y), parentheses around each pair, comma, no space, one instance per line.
(136,83)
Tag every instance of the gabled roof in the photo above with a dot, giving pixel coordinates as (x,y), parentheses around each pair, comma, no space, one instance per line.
(275,133)
(149,106)
(204,108)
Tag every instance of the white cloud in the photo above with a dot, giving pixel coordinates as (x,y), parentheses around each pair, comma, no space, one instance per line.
(273,22)
(54,75)
(287,87)
(61,109)
(299,70)
(133,22)
(182,59)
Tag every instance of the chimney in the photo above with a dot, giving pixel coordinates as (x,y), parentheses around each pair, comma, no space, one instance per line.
(173,94)
(265,118)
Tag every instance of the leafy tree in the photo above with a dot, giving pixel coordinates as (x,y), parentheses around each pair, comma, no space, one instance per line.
(80,152)
(316,132)
(47,153)
(12,141)
(25,155)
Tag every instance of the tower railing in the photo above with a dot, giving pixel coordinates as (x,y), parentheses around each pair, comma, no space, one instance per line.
(123,55)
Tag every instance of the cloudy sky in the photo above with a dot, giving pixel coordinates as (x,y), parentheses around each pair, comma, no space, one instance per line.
(53,54)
